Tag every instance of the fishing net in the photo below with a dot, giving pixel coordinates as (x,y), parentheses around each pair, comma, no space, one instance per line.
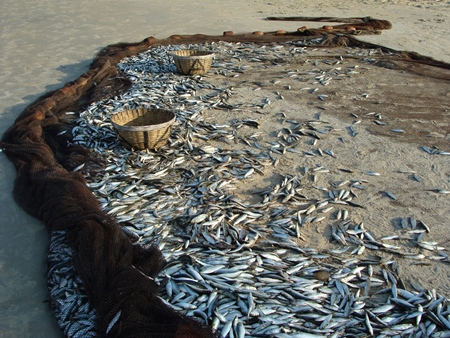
(118,273)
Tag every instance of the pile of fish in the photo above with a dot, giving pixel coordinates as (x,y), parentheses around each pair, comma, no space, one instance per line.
(243,264)
(73,312)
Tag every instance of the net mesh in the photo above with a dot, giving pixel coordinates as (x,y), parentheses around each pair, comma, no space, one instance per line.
(117,274)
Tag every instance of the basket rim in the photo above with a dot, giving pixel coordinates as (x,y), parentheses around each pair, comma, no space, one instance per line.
(151,127)
(206,54)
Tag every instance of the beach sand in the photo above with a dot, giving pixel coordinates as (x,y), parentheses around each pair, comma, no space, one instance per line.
(48,43)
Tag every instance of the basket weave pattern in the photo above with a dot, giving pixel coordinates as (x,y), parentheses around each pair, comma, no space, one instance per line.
(143,128)
(192,62)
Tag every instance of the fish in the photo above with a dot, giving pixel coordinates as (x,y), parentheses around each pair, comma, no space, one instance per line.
(244,267)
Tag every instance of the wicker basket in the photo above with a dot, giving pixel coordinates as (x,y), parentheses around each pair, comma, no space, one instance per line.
(143,128)
(191,62)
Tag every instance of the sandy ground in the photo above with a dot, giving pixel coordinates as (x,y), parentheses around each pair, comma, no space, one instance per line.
(47,43)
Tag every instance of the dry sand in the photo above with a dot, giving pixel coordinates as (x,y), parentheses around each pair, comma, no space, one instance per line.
(47,43)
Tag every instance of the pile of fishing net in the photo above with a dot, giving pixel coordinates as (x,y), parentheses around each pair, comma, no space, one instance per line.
(116,273)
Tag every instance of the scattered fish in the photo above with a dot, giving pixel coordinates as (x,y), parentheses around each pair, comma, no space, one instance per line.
(234,264)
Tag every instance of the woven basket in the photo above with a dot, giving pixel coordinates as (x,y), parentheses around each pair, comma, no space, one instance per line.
(143,128)
(191,62)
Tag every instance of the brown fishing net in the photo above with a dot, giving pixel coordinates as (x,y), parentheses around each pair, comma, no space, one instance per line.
(117,274)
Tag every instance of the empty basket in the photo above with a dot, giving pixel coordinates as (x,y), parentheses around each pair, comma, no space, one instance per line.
(191,62)
(143,128)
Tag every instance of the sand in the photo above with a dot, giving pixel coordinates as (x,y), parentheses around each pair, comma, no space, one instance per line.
(47,43)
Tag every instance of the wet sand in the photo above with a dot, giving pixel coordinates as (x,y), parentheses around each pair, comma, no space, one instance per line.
(48,43)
